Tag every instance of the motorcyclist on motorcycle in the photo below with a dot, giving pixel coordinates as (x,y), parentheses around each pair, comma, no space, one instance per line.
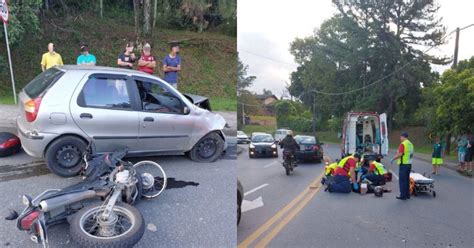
(289,146)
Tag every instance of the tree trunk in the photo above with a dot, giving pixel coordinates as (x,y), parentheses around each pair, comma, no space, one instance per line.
(155,17)
(46,4)
(101,8)
(147,20)
(136,9)
(448,144)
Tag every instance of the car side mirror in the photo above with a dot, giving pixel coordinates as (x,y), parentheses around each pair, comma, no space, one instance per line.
(186,110)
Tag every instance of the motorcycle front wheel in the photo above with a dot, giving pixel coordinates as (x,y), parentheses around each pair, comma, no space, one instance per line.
(124,229)
(153,178)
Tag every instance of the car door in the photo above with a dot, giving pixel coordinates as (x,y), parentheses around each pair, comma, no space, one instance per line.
(384,134)
(103,108)
(163,125)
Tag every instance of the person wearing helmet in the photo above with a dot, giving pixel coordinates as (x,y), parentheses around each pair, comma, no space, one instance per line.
(289,144)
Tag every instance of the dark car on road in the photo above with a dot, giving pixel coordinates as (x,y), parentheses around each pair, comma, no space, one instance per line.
(310,149)
(262,145)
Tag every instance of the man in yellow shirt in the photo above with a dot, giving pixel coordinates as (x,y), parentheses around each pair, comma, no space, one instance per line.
(51,58)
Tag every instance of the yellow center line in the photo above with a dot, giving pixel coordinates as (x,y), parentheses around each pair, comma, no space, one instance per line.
(274,232)
(304,197)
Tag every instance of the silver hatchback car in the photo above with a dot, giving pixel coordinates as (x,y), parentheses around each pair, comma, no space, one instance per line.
(65,107)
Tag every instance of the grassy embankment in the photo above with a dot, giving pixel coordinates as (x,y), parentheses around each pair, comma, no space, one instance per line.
(208,67)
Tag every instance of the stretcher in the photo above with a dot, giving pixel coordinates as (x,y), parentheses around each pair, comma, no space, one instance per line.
(421,184)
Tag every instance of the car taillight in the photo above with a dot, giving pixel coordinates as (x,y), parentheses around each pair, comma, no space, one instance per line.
(316,148)
(10,143)
(28,220)
(32,108)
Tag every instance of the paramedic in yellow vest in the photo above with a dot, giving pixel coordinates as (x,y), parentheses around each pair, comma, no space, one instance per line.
(346,167)
(404,159)
(51,58)
(376,172)
(330,169)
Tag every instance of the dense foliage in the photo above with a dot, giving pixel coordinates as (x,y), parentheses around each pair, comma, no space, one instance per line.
(449,104)
(373,46)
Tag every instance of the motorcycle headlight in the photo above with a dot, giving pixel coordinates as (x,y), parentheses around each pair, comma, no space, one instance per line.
(26,200)
(251,146)
(274,146)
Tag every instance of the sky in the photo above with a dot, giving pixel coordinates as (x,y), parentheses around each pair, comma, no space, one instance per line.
(267,27)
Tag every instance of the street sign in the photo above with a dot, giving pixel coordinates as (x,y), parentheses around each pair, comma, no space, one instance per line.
(4,11)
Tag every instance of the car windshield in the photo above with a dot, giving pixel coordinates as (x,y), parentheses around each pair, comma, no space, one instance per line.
(41,82)
(240,133)
(262,138)
(306,140)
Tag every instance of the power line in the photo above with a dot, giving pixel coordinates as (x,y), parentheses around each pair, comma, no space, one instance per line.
(381,79)
(269,58)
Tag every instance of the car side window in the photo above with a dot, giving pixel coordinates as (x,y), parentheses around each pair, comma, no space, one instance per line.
(105,93)
(156,98)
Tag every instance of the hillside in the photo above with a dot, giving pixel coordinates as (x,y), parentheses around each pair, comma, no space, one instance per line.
(208,67)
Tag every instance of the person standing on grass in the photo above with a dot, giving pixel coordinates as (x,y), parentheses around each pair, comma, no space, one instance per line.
(437,156)
(147,62)
(172,65)
(127,57)
(404,159)
(462,148)
(51,58)
(85,58)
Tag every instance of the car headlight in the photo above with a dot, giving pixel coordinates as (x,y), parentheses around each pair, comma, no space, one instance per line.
(26,200)
(274,146)
(251,146)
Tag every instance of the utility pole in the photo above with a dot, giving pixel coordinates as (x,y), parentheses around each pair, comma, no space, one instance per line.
(243,114)
(455,64)
(314,114)
(456,49)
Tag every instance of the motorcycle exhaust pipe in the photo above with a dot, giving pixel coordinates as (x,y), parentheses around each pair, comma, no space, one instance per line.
(63,200)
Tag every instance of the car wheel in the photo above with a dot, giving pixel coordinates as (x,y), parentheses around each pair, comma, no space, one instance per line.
(207,149)
(64,156)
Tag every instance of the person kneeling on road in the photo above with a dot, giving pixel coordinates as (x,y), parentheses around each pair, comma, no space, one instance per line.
(289,144)
(376,173)
(344,175)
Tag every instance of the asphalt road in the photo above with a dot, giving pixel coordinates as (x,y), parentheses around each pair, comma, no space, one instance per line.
(197,216)
(297,213)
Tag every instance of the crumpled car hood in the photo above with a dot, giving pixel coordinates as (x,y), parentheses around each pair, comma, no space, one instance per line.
(200,101)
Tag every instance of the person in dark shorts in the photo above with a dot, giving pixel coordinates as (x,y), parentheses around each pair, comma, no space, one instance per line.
(127,57)
(469,153)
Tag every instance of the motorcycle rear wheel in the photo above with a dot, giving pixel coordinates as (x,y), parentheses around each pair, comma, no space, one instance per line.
(128,229)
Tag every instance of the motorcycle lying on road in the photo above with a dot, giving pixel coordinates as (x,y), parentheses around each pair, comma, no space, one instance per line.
(289,161)
(112,222)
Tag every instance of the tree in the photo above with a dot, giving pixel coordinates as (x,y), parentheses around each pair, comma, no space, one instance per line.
(448,106)
(246,101)
(366,42)
(243,81)
(267,92)
(143,21)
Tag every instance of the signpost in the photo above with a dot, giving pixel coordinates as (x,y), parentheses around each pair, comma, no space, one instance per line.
(4,15)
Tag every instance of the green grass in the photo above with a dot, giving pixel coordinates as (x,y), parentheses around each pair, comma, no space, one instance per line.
(223,104)
(249,129)
(263,118)
(5,99)
(328,137)
(209,58)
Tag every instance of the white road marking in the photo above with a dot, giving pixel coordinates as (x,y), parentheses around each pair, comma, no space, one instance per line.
(250,205)
(270,164)
(255,189)
(393,174)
